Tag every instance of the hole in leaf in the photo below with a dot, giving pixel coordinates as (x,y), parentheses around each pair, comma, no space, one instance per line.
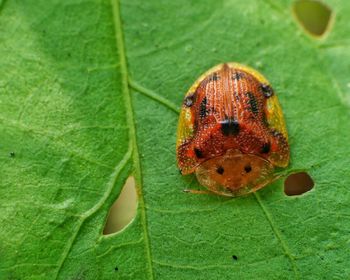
(314,16)
(123,210)
(298,183)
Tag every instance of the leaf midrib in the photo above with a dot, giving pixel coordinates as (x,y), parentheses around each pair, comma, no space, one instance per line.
(119,35)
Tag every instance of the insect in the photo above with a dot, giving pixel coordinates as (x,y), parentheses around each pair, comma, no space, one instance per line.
(231,131)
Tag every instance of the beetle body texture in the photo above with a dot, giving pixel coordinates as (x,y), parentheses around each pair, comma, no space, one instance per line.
(231,131)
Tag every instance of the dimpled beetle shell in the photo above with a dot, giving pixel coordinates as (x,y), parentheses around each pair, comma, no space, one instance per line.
(231,131)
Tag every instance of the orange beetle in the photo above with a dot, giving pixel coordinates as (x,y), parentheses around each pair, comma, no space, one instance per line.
(231,131)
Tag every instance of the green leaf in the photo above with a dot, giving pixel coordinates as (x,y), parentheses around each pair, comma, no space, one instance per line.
(89,95)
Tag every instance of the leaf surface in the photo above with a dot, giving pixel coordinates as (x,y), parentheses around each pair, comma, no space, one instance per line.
(89,95)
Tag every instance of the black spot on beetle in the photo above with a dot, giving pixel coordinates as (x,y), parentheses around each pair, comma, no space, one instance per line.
(253,103)
(203,108)
(12,154)
(220,170)
(214,77)
(276,133)
(238,98)
(247,168)
(267,90)
(266,148)
(198,153)
(235,257)
(264,119)
(237,76)
(229,127)
(189,100)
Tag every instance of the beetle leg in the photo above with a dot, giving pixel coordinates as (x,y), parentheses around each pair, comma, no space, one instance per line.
(197,191)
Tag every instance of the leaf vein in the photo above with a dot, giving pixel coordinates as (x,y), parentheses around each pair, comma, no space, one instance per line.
(120,246)
(277,233)
(94,209)
(151,94)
